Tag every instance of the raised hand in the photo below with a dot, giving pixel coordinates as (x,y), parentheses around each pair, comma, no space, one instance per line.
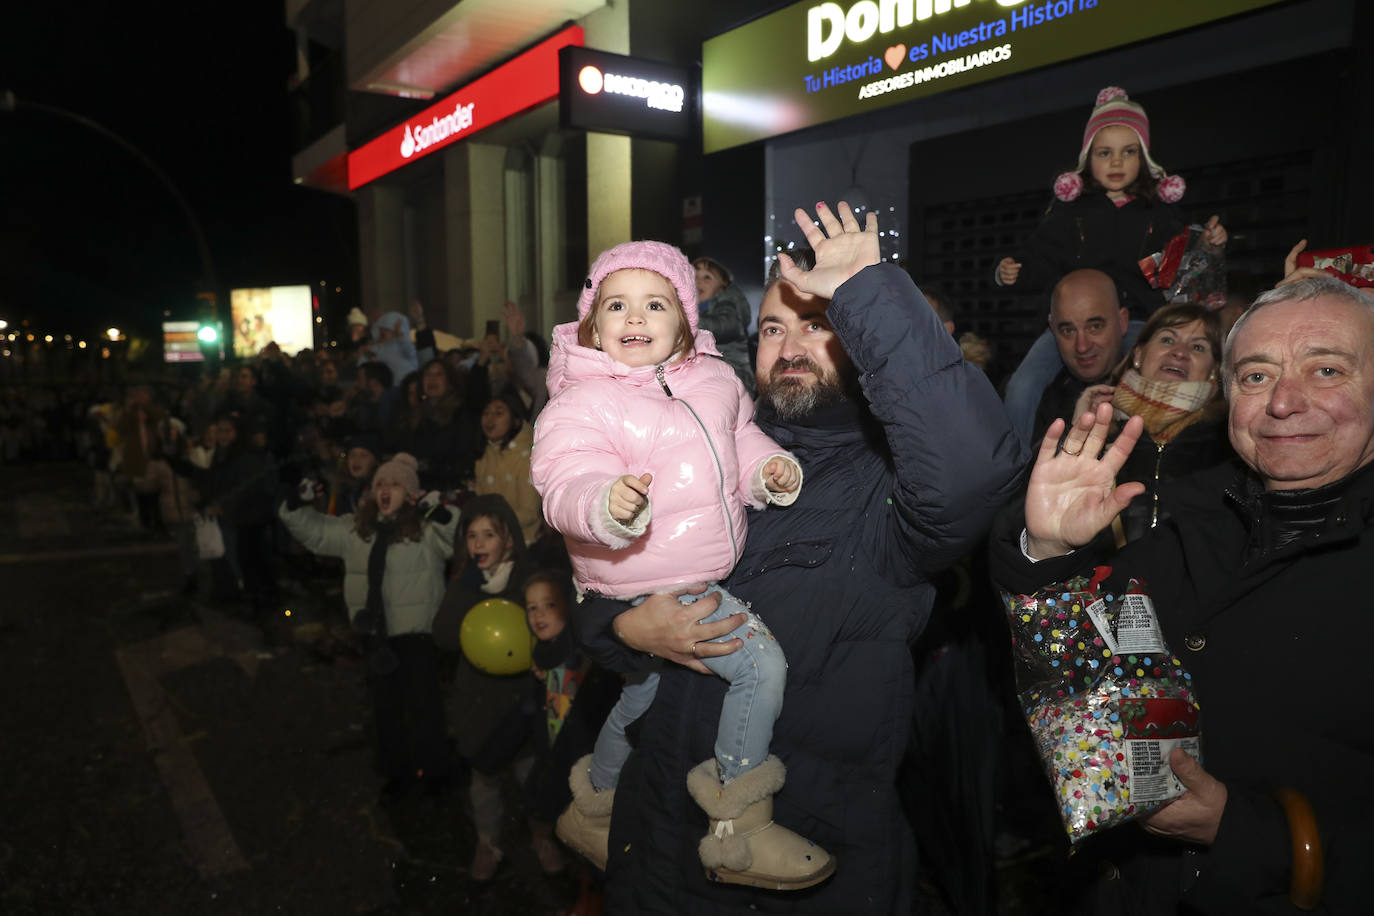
(1008,270)
(515,319)
(629,496)
(842,249)
(1073,494)
(780,475)
(1292,273)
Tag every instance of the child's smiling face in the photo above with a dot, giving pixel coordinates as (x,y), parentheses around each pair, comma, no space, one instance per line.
(638,317)
(487,546)
(544,610)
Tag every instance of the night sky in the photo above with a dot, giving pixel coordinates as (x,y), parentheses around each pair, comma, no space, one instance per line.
(89,236)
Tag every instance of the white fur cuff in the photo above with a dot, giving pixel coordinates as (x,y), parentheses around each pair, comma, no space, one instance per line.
(764,496)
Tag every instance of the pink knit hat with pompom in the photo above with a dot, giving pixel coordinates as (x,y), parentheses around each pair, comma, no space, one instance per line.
(1113,108)
(663,259)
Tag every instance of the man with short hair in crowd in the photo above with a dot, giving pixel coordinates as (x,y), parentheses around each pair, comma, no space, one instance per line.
(1259,580)
(907,453)
(1089,324)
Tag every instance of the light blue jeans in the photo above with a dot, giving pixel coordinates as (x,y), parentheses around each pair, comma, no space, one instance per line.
(757,673)
(1041,364)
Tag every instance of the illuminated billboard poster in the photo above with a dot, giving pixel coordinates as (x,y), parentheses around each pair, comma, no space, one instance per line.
(814,62)
(279,313)
(180,343)
(521,83)
(627,95)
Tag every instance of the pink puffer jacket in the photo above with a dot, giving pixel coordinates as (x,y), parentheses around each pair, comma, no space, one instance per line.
(604,420)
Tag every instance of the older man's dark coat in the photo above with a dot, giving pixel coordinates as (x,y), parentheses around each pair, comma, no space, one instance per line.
(1276,633)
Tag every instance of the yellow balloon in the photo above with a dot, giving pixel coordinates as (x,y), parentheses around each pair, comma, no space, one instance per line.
(495,637)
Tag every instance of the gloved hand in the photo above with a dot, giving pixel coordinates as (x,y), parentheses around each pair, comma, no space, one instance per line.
(307,490)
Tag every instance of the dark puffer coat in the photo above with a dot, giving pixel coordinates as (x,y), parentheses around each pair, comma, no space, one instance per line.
(895,489)
(1092,231)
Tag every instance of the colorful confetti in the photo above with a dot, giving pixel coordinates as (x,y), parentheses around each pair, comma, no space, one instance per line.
(1103,716)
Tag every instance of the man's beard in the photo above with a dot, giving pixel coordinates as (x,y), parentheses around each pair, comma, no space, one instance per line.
(794,397)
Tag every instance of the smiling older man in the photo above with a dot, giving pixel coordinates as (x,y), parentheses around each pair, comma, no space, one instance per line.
(1261,582)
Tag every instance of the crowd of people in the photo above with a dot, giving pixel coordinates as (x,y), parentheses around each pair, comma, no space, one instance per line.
(734,551)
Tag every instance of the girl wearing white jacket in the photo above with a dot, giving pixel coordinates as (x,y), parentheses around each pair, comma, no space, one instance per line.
(394,551)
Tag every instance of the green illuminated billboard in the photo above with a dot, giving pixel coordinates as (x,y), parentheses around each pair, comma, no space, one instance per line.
(813,62)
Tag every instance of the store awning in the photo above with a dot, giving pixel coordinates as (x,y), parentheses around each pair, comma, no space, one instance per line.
(471,38)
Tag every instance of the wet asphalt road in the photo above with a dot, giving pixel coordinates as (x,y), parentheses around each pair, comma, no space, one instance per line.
(160,755)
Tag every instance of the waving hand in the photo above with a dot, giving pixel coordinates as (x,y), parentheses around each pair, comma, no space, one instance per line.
(1073,493)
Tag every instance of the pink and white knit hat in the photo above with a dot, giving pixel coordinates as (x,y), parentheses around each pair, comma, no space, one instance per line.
(1113,108)
(663,259)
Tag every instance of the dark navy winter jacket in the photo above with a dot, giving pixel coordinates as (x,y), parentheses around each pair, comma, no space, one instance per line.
(897,486)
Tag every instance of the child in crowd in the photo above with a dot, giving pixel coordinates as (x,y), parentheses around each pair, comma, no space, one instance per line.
(505,464)
(495,566)
(1115,208)
(176,497)
(349,483)
(394,551)
(559,715)
(646,456)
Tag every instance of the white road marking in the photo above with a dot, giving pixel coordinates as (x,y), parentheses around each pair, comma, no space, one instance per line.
(208,838)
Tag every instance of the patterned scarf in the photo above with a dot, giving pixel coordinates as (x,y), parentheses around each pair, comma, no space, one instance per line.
(1167,407)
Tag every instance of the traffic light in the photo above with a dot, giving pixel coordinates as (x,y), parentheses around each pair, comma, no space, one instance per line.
(211,330)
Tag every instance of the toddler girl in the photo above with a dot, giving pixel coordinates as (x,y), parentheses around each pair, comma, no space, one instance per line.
(646,456)
(394,552)
(1114,209)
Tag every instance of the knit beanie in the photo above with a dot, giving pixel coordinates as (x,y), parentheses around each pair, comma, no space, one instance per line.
(663,259)
(401,469)
(365,440)
(1113,108)
(356,316)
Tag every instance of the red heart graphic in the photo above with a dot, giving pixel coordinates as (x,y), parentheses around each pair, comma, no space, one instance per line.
(894,55)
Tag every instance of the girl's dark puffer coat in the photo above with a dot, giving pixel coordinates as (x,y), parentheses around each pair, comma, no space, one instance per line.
(1092,232)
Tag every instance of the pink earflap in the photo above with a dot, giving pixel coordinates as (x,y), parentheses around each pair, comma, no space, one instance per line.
(1069,185)
(1171,189)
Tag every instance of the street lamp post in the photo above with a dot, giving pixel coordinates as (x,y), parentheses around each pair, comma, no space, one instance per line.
(9,102)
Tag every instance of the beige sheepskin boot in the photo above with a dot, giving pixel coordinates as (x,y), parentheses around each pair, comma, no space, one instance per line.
(744,845)
(586,826)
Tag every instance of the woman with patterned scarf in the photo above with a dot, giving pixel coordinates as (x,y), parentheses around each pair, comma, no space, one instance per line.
(1170,379)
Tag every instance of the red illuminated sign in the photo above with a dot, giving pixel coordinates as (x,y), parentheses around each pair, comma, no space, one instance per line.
(529,80)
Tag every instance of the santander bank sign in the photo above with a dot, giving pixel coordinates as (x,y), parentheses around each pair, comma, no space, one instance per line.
(517,85)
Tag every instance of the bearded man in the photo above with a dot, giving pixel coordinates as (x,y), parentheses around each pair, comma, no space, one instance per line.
(907,454)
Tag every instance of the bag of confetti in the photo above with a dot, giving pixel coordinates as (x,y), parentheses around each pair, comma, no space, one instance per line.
(1187,271)
(1105,700)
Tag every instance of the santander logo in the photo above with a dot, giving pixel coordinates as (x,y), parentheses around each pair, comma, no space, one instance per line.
(829,25)
(439,128)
